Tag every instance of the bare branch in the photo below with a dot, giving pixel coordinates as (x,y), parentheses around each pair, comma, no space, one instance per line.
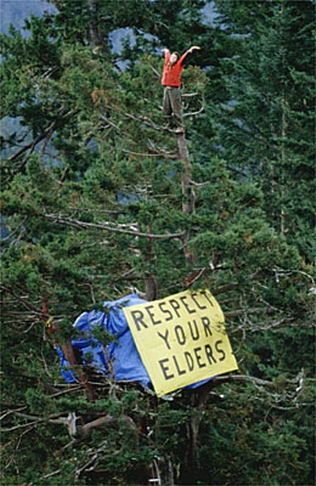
(199,184)
(141,154)
(279,272)
(109,122)
(22,300)
(106,226)
(254,327)
(148,122)
(107,420)
(188,95)
(9,412)
(160,151)
(154,70)
(194,113)
(241,312)
(54,473)
(242,378)
(34,420)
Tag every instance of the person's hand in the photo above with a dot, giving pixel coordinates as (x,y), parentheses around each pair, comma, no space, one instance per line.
(194,48)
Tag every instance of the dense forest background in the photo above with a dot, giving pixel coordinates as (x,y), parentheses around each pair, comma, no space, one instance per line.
(92,206)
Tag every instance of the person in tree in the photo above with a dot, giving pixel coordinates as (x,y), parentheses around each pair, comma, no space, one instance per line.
(171,80)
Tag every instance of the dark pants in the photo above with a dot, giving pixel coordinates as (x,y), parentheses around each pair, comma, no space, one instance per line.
(172,105)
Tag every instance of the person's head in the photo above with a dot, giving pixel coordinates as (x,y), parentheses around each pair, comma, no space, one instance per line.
(174,57)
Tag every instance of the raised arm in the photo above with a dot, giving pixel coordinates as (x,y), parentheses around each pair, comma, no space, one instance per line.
(166,54)
(188,52)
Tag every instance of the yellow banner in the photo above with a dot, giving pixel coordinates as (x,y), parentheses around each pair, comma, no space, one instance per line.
(181,339)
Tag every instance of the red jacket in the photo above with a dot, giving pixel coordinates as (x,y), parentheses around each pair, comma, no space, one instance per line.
(171,74)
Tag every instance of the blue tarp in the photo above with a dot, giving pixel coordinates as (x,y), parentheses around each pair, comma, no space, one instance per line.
(118,360)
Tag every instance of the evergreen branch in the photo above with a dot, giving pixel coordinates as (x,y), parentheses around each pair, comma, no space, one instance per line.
(28,305)
(35,142)
(35,420)
(47,132)
(141,154)
(286,321)
(243,378)
(109,122)
(277,390)
(241,312)
(81,430)
(161,152)
(147,121)
(9,412)
(225,288)
(280,272)
(298,380)
(109,227)
(74,388)
(91,462)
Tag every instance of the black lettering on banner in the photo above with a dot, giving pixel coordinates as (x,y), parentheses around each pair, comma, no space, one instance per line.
(190,311)
(209,354)
(219,350)
(138,317)
(198,357)
(175,305)
(194,332)
(201,307)
(165,338)
(152,315)
(207,297)
(180,372)
(189,360)
(165,369)
(179,332)
(207,324)
(165,311)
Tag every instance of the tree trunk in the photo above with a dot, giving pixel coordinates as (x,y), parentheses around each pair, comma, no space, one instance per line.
(283,156)
(188,195)
(82,377)
(96,38)
(151,284)
(189,469)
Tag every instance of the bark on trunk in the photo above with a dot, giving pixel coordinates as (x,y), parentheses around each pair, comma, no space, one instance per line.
(188,195)
(82,377)
(95,35)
